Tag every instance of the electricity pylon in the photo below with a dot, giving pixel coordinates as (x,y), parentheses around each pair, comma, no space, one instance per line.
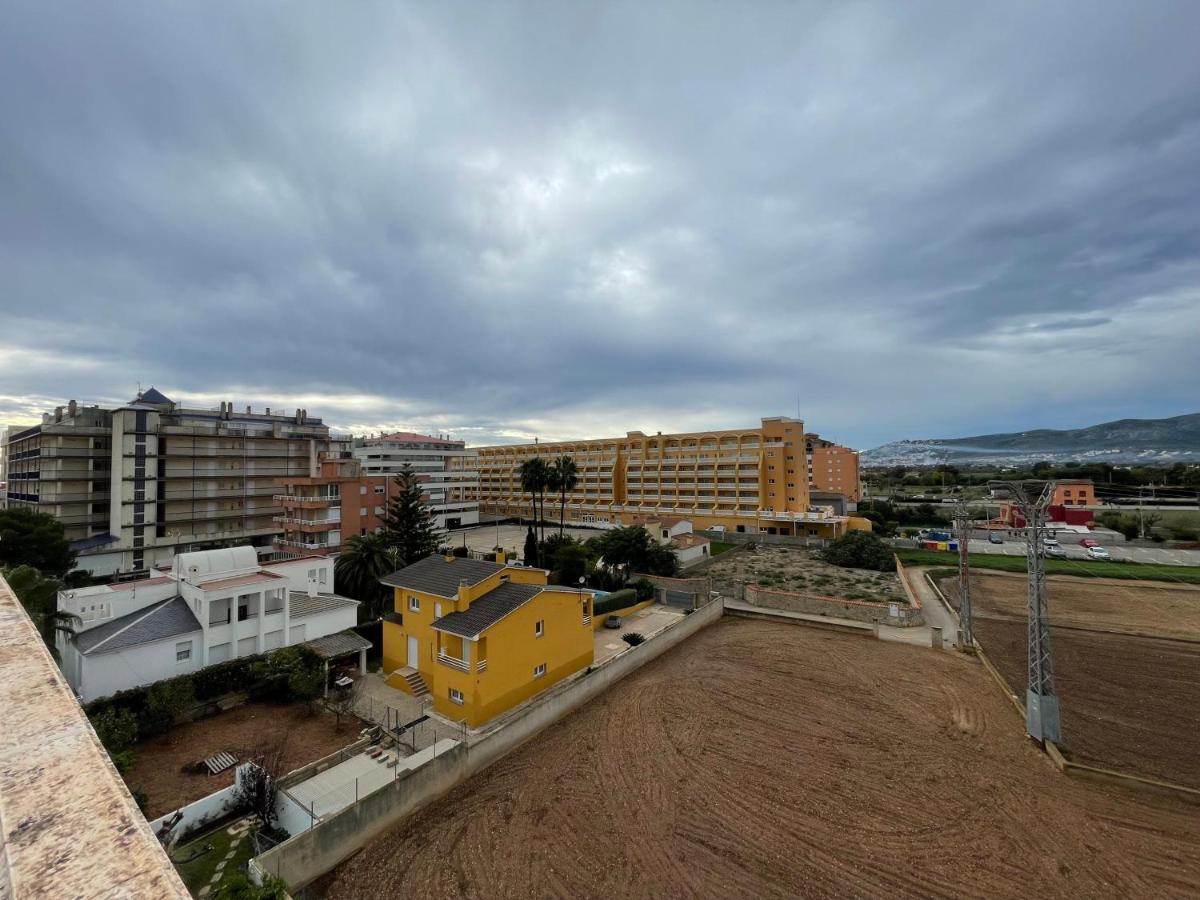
(1041,702)
(962,522)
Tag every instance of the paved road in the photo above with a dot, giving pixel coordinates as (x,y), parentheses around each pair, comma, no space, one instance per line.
(1118,552)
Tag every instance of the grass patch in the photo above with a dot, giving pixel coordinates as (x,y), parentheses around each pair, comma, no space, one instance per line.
(199,872)
(1128,571)
(716,548)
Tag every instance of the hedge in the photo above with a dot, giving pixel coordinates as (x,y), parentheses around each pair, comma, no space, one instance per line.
(614,601)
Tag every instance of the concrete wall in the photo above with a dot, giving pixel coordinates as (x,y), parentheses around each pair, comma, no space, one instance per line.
(815,604)
(751,537)
(305,857)
(203,811)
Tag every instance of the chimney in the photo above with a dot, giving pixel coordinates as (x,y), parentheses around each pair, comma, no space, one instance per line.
(268,410)
(463,589)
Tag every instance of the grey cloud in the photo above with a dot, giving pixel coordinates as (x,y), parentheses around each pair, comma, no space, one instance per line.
(551,219)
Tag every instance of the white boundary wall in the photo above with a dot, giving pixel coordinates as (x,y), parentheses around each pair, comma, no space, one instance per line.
(205,810)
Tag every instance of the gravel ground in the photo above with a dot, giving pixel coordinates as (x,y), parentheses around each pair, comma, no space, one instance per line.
(797,569)
(765,760)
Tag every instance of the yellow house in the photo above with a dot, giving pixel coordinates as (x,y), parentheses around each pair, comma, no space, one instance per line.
(481,637)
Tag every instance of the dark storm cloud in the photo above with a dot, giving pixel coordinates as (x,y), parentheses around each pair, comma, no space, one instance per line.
(566,219)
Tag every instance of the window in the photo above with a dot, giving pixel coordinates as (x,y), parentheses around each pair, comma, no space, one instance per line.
(539,627)
(362,511)
(456,696)
(437,610)
(324,575)
(362,488)
(183,651)
(379,488)
(414,605)
(539,671)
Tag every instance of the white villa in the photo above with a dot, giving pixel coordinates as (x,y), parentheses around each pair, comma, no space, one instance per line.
(210,606)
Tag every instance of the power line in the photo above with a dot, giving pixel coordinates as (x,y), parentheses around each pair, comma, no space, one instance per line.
(963,523)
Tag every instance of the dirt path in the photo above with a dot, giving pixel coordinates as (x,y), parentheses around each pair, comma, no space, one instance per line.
(764,760)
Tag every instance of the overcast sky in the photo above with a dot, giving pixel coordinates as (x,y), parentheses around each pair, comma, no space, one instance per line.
(556,219)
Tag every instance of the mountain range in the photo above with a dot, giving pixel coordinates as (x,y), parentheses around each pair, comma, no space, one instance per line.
(1125,441)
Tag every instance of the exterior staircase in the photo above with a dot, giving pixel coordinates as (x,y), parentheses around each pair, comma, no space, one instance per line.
(416,684)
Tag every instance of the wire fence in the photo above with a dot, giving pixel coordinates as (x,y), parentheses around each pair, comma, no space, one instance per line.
(411,728)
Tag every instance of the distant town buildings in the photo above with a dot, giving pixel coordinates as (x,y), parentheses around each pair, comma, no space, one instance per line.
(753,480)
(136,484)
(209,607)
(1070,504)
(322,510)
(450,486)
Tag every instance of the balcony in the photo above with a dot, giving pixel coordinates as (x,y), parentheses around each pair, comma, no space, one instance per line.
(453,662)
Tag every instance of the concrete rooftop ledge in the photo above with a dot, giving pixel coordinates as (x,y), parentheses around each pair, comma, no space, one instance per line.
(68,825)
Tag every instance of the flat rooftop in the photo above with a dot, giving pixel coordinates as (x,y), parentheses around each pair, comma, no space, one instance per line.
(68,825)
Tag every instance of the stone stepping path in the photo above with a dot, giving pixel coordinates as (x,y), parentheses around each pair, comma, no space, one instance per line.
(237,831)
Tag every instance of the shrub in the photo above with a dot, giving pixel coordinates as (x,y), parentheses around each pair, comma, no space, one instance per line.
(117,730)
(614,601)
(859,550)
(166,701)
(123,760)
(460,552)
(632,638)
(140,798)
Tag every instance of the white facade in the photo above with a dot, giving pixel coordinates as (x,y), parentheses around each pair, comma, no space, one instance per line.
(436,461)
(211,606)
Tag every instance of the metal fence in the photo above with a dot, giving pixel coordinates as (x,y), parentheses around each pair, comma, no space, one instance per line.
(411,729)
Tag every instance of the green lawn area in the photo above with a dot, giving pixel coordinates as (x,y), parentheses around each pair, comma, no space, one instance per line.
(199,872)
(1088,569)
(716,548)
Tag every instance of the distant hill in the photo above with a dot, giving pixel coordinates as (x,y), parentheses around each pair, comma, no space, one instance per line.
(1145,441)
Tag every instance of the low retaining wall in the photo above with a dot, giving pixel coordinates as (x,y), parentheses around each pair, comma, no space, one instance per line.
(818,605)
(749,537)
(201,813)
(303,858)
(598,619)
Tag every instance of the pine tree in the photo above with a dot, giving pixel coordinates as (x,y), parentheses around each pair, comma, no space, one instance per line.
(409,525)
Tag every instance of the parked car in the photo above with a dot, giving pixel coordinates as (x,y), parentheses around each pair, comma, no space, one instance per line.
(994,538)
(1089,542)
(612,622)
(1050,542)
(1098,553)
(1055,551)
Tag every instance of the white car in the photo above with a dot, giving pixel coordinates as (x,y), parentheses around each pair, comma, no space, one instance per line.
(1049,542)
(1098,553)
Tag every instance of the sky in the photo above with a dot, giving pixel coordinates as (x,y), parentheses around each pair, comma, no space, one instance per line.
(502,221)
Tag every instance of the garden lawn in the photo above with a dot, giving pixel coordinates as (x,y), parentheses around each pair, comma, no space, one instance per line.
(199,872)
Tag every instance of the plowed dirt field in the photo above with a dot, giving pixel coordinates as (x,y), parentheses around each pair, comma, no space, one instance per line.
(765,760)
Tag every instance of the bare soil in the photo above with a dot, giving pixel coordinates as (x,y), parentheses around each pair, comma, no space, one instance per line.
(245,731)
(798,569)
(1163,610)
(1127,703)
(767,760)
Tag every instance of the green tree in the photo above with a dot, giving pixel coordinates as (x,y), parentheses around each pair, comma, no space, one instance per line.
(409,527)
(31,538)
(239,887)
(564,476)
(166,701)
(535,476)
(116,728)
(531,548)
(634,550)
(860,550)
(364,560)
(39,596)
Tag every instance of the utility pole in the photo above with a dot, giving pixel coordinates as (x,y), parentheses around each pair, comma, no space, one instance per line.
(1041,702)
(962,520)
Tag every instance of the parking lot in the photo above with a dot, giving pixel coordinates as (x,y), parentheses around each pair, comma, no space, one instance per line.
(1070,544)
(645,622)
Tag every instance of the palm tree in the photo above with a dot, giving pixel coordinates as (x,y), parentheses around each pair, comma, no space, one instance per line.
(366,559)
(535,475)
(564,475)
(39,595)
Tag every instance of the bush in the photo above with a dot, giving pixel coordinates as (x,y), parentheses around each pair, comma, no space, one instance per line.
(859,550)
(166,701)
(644,588)
(614,601)
(140,798)
(123,760)
(117,730)
(632,638)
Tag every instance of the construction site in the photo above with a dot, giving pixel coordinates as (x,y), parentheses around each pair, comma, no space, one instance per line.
(1127,661)
(760,759)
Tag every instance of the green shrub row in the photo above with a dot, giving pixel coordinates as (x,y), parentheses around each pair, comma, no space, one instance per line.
(614,601)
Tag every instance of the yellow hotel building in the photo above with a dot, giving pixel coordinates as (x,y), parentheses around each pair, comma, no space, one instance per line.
(481,637)
(746,480)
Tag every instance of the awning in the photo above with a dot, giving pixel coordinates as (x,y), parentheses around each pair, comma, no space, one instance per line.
(341,644)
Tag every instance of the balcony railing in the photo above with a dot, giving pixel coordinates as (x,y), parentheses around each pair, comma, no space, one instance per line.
(454,662)
(481,665)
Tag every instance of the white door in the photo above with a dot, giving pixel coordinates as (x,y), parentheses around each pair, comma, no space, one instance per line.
(412,651)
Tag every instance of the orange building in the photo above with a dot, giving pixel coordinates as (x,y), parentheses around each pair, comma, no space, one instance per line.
(1074,493)
(322,510)
(832,467)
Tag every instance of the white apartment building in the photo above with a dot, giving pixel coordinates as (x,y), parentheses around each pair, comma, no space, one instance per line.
(209,607)
(437,461)
(137,484)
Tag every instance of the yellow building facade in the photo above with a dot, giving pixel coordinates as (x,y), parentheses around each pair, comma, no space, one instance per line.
(481,637)
(744,480)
